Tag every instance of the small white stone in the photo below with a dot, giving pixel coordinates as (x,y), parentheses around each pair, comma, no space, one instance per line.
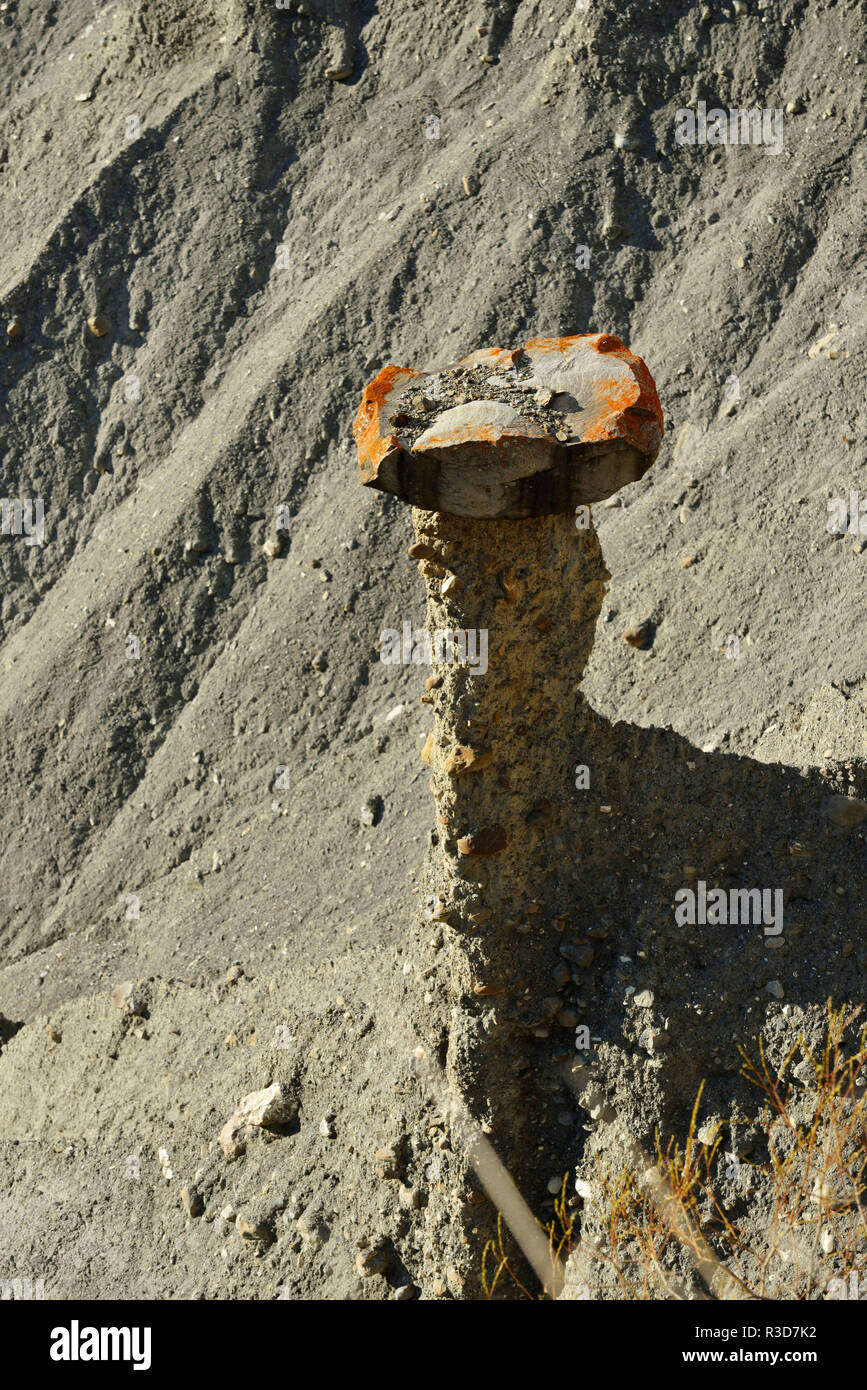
(269,1107)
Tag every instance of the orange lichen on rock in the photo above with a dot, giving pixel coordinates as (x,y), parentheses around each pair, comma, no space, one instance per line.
(372,444)
(485,456)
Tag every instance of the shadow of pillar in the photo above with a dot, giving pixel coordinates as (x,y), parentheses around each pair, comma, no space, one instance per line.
(605,882)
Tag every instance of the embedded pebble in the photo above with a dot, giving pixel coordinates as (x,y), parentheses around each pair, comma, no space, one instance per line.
(638,636)
(580,953)
(373,1261)
(654,1040)
(192,1201)
(370,812)
(254,1229)
(271,1106)
(130,999)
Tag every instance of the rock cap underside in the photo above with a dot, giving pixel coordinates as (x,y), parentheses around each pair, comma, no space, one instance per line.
(485,457)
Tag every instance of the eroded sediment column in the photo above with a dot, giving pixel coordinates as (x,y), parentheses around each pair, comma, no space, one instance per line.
(526,594)
(501,455)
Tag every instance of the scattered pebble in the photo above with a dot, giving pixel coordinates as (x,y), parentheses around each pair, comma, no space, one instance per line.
(191,1201)
(639,636)
(387,1163)
(371,811)
(342,62)
(259,1109)
(580,953)
(99,326)
(372,1261)
(254,1229)
(471,185)
(130,999)
(654,1040)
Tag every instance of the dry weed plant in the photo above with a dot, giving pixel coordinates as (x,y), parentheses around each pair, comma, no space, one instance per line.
(789,1224)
